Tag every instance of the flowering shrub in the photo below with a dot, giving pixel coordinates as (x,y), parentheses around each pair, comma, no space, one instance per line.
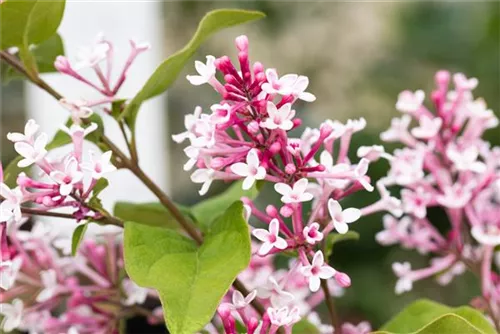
(197,268)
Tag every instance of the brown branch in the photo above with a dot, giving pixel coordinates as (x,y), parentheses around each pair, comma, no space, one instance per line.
(334,317)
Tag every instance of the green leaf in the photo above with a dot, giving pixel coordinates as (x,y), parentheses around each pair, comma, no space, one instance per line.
(191,281)
(29,22)
(152,214)
(11,172)
(304,326)
(423,313)
(77,237)
(167,72)
(61,138)
(208,210)
(333,238)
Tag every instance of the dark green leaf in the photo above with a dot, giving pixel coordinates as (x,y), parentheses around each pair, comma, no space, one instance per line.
(11,172)
(168,71)
(191,281)
(303,327)
(208,210)
(77,238)
(333,238)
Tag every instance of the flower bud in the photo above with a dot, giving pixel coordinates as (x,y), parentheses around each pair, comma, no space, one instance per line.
(290,169)
(286,211)
(343,279)
(271,211)
(253,127)
(242,43)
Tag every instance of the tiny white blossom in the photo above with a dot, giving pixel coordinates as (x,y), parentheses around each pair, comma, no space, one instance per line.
(32,153)
(189,123)
(241,302)
(135,294)
(312,234)
(410,102)
(11,206)
(29,132)
(465,159)
(279,118)
(251,170)
(276,85)
(205,176)
(270,238)
(316,271)
(403,271)
(12,314)
(9,271)
(68,178)
(296,194)
(99,167)
(49,281)
(342,217)
(205,72)
(428,127)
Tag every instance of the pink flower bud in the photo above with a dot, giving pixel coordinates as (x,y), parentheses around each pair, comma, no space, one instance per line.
(290,169)
(258,68)
(62,65)
(275,147)
(253,127)
(296,122)
(325,130)
(442,77)
(286,211)
(271,211)
(217,163)
(252,325)
(343,279)
(242,43)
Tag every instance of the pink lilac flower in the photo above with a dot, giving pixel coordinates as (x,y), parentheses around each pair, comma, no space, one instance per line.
(444,163)
(246,134)
(270,238)
(316,271)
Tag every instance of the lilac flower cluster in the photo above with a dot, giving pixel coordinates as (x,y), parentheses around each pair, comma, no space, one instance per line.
(445,164)
(246,136)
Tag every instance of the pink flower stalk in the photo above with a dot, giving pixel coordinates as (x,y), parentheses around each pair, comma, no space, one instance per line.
(91,58)
(62,183)
(246,136)
(444,163)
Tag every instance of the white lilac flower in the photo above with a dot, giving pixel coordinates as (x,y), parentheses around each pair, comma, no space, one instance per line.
(341,217)
(251,170)
(205,72)
(296,194)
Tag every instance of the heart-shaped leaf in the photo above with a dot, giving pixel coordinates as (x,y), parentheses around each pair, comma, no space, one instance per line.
(190,280)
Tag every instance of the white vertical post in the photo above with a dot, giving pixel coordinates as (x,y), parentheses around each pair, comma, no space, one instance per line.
(118,21)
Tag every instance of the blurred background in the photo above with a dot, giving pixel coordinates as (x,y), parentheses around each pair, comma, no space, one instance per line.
(358,57)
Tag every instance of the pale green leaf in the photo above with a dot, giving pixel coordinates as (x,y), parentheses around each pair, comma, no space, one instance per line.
(191,281)
(77,238)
